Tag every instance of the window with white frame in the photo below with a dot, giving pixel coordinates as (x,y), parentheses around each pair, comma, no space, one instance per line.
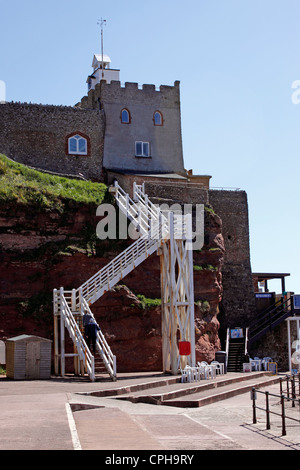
(142,149)
(77,145)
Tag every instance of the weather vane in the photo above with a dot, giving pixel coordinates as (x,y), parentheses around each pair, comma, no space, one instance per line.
(102,23)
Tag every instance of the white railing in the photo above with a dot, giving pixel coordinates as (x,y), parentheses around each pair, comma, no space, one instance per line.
(102,346)
(70,323)
(151,210)
(246,341)
(133,211)
(227,345)
(115,270)
(161,218)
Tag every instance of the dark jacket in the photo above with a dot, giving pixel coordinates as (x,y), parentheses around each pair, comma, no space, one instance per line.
(92,329)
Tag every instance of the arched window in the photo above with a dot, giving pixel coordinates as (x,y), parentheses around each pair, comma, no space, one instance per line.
(158,118)
(77,144)
(125,116)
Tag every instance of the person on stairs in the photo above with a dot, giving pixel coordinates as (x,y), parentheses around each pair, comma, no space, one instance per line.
(85,321)
(91,332)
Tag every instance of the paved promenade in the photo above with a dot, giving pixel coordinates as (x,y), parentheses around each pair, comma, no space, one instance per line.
(63,414)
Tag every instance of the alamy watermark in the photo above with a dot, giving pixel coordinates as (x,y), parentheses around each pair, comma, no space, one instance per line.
(180,222)
(2,92)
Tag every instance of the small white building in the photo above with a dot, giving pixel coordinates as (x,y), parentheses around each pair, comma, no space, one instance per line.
(102,71)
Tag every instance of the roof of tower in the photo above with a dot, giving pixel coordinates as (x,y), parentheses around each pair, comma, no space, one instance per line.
(98,58)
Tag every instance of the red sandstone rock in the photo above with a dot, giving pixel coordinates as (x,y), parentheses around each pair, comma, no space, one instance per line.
(40,257)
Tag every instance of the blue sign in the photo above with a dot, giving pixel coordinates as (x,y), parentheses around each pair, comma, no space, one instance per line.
(263,295)
(236,333)
(297,301)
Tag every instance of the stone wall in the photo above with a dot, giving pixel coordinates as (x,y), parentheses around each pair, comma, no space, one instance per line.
(36,135)
(177,191)
(238,303)
(274,344)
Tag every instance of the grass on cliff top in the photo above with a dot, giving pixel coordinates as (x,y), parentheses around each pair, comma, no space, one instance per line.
(22,185)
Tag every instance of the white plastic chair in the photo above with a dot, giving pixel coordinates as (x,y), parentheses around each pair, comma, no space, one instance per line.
(193,373)
(217,367)
(206,370)
(185,376)
(265,361)
(254,364)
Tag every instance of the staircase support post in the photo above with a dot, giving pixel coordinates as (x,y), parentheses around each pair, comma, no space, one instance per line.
(62,336)
(56,332)
(177,291)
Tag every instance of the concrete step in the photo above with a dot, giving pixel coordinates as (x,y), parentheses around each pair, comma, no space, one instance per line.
(196,394)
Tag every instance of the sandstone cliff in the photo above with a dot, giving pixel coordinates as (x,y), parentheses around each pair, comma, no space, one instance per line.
(42,249)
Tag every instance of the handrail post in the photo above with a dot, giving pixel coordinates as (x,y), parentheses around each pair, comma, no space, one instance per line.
(267,410)
(246,341)
(56,332)
(62,333)
(73,301)
(80,300)
(293,391)
(115,367)
(227,345)
(283,416)
(134,191)
(253,394)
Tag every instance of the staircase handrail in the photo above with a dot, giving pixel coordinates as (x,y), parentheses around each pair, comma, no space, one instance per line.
(278,302)
(153,209)
(227,344)
(246,340)
(103,348)
(107,275)
(134,211)
(76,336)
(270,316)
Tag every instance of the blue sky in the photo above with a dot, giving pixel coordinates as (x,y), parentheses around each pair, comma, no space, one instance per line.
(236,62)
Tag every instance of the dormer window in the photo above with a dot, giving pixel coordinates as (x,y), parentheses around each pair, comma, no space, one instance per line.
(158,118)
(77,144)
(125,116)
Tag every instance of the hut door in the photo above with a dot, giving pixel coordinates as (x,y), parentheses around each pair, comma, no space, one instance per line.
(33,360)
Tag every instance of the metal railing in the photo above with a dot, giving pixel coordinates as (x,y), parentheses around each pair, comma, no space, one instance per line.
(283,399)
(269,318)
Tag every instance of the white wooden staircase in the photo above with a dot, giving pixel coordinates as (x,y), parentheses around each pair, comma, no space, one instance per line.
(70,306)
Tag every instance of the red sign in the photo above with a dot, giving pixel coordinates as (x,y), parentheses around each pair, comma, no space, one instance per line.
(184,348)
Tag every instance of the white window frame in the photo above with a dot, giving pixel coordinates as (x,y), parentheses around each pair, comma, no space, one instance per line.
(77,137)
(143,145)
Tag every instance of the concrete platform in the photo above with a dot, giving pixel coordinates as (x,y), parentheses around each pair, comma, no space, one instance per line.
(74,414)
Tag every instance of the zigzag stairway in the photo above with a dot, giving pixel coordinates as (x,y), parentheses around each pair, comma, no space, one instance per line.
(70,306)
